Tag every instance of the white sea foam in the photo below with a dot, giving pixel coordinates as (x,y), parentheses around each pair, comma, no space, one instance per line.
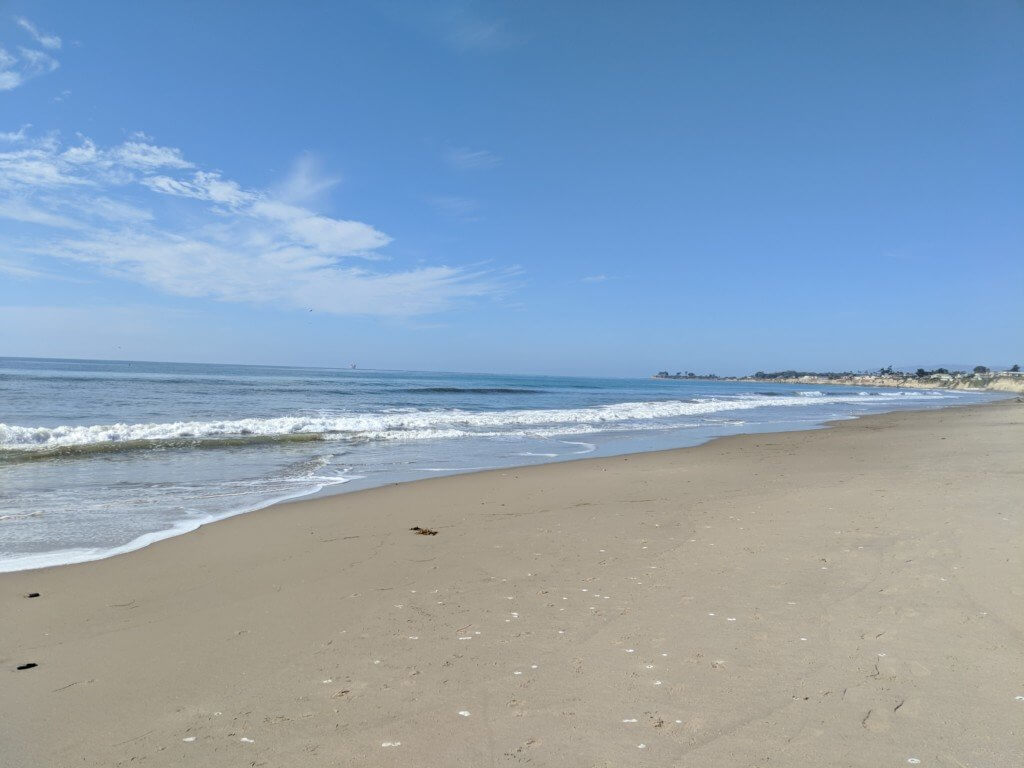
(414,425)
(87,554)
(587,447)
(452,469)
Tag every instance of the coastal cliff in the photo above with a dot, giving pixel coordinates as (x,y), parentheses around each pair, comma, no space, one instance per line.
(999,381)
(991,382)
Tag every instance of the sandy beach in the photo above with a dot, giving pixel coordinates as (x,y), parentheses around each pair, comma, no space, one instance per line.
(852,596)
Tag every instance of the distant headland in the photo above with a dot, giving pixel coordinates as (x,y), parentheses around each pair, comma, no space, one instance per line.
(981,378)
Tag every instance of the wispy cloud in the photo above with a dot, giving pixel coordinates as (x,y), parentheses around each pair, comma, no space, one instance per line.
(467,159)
(15,209)
(306,182)
(113,209)
(18,68)
(51,42)
(470,32)
(14,137)
(202,186)
(36,62)
(140,154)
(18,270)
(10,78)
(594,279)
(464,25)
(455,206)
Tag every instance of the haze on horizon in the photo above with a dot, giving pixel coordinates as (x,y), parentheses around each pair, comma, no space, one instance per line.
(514,187)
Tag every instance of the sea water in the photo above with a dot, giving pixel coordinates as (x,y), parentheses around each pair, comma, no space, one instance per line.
(101,457)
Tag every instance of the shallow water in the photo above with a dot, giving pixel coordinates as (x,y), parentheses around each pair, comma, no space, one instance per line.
(100,457)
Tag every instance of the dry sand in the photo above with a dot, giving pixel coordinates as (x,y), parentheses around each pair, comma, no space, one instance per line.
(843,597)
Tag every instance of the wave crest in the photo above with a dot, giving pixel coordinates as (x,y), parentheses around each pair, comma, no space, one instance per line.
(410,425)
(470,391)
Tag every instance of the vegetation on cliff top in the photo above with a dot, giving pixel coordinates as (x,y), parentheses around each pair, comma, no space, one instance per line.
(887,372)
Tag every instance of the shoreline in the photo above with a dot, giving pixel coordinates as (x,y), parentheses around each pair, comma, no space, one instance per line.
(186,527)
(844,596)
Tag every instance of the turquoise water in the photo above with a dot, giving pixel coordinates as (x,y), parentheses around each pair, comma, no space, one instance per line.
(100,457)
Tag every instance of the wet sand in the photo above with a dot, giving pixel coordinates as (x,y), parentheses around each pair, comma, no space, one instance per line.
(846,597)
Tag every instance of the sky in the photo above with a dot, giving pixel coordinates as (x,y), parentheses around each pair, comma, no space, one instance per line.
(525,187)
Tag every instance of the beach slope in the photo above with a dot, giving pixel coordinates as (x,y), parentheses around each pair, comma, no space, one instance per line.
(852,596)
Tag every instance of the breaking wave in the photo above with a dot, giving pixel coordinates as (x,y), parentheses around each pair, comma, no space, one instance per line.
(470,391)
(20,442)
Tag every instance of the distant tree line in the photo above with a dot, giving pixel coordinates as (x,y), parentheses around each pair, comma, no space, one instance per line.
(887,371)
(799,374)
(921,372)
(684,375)
(792,374)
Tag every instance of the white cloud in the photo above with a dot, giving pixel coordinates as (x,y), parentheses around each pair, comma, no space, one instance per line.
(86,152)
(23,211)
(146,156)
(321,232)
(471,159)
(46,163)
(594,279)
(47,41)
(15,137)
(112,209)
(21,272)
(306,182)
(37,62)
(202,186)
(16,69)
(295,277)
(34,168)
(107,208)
(9,81)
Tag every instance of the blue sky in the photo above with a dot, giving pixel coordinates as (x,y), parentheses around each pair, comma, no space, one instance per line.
(608,188)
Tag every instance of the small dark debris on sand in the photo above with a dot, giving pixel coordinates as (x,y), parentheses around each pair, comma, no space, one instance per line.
(423,531)
(32,594)
(30,665)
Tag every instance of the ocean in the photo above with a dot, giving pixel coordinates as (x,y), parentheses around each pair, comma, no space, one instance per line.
(102,457)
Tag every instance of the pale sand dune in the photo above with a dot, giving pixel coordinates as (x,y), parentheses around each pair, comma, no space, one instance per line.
(843,597)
